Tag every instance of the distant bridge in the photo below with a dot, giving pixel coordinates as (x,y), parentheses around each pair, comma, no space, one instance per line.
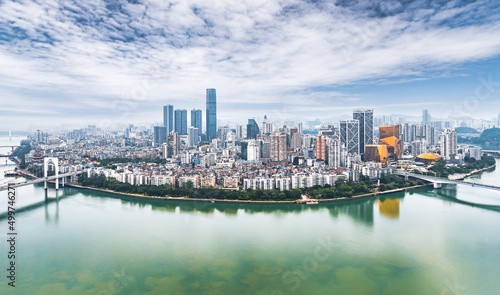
(4,187)
(491,153)
(437,180)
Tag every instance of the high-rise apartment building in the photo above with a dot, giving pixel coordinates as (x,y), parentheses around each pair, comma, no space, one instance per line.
(295,139)
(253,151)
(349,135)
(181,122)
(211,116)
(174,144)
(168,117)
(193,136)
(278,147)
(418,147)
(448,143)
(336,153)
(365,118)
(321,147)
(196,121)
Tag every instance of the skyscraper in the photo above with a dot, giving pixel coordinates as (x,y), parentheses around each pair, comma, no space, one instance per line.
(193,136)
(253,151)
(173,144)
(336,153)
(160,135)
(181,122)
(267,127)
(448,143)
(168,117)
(196,119)
(426,117)
(349,135)
(252,129)
(278,147)
(321,148)
(365,118)
(211,114)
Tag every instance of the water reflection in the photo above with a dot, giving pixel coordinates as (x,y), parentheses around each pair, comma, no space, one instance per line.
(360,211)
(389,208)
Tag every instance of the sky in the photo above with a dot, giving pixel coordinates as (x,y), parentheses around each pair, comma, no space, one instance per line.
(102,62)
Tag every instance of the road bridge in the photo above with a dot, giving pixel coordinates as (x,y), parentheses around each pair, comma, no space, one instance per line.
(439,181)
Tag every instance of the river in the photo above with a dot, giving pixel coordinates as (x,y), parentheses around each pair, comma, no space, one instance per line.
(423,241)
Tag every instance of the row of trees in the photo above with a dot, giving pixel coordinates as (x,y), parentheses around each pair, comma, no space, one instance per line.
(341,189)
(21,151)
(440,169)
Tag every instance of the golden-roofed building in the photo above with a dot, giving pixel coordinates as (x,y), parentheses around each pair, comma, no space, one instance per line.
(428,158)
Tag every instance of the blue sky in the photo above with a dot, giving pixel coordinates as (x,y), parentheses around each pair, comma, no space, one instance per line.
(101,62)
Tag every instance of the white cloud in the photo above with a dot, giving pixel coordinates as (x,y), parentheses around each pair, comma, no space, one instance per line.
(251,51)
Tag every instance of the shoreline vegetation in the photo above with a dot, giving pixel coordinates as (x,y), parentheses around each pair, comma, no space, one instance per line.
(167,198)
(341,191)
(471,166)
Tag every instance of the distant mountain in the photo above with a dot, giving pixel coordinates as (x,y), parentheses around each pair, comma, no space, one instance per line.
(466,130)
(489,137)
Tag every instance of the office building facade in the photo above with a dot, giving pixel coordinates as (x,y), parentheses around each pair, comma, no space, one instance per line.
(160,135)
(365,118)
(168,117)
(252,129)
(181,122)
(211,115)
(349,135)
(196,119)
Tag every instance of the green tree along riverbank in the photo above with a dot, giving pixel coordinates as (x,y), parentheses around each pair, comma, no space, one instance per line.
(342,189)
(21,151)
(440,169)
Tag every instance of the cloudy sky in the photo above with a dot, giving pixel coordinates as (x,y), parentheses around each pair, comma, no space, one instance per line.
(98,62)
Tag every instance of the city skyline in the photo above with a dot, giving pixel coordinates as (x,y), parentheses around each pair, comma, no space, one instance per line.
(97,63)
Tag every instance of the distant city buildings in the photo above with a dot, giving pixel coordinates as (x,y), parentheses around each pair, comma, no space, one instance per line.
(426,117)
(267,127)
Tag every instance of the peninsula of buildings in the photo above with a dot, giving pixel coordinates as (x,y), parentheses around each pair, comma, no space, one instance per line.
(267,155)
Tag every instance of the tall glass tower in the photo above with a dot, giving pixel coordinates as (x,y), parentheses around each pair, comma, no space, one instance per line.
(196,119)
(211,114)
(252,129)
(181,122)
(168,117)
(349,135)
(365,118)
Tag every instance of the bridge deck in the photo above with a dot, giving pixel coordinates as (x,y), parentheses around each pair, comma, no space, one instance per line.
(441,180)
(38,180)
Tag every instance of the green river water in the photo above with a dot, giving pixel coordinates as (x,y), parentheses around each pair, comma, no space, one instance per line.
(424,241)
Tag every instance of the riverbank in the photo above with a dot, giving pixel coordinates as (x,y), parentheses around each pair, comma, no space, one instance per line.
(248,201)
(465,175)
